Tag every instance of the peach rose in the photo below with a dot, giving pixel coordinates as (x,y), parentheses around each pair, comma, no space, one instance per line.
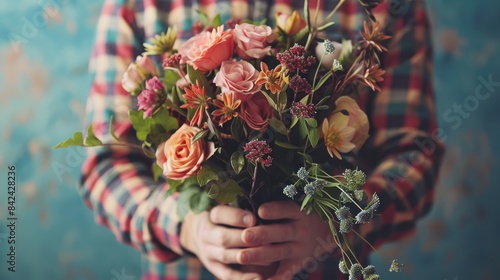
(180,159)
(252,41)
(137,73)
(207,50)
(239,77)
(256,111)
(356,119)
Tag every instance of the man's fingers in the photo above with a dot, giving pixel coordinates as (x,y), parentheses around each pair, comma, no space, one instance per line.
(269,253)
(278,210)
(232,216)
(225,237)
(224,272)
(266,234)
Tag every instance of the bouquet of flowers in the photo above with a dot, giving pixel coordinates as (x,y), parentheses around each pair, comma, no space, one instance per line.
(242,114)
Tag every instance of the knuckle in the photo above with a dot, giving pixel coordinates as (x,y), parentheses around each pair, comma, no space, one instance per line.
(219,237)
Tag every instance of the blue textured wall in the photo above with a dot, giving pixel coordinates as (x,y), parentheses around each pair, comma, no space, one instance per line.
(43,86)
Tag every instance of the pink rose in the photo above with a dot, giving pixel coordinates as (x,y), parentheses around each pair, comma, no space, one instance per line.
(239,77)
(357,119)
(256,111)
(253,41)
(180,159)
(207,50)
(137,73)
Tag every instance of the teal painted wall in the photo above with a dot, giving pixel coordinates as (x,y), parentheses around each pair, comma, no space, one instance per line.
(43,87)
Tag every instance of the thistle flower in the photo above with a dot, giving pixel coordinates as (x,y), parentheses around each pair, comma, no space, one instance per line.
(290,191)
(355,272)
(372,277)
(359,195)
(343,213)
(162,43)
(227,108)
(196,99)
(302,173)
(273,80)
(309,189)
(328,45)
(374,203)
(355,179)
(257,151)
(337,66)
(369,270)
(364,216)
(346,225)
(396,266)
(343,267)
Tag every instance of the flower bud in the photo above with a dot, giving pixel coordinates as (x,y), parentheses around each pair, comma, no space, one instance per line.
(290,24)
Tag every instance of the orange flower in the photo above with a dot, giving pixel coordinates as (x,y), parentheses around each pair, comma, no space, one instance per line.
(372,76)
(373,38)
(337,136)
(227,108)
(196,99)
(272,79)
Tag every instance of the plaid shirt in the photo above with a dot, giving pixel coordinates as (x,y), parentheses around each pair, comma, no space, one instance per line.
(402,155)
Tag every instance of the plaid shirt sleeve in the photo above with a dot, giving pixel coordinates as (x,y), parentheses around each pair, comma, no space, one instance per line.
(402,151)
(116,181)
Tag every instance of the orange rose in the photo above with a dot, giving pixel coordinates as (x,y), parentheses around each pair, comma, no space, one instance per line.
(180,159)
(356,119)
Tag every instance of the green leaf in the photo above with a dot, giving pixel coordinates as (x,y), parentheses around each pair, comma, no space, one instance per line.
(236,128)
(200,134)
(174,185)
(77,140)
(225,191)
(112,130)
(194,199)
(312,122)
(322,107)
(195,75)
(282,100)
(286,145)
(237,161)
(157,171)
(323,80)
(170,78)
(206,174)
(202,17)
(306,157)
(303,128)
(216,22)
(91,139)
(155,129)
(305,202)
(295,119)
(147,151)
(270,100)
(323,100)
(313,136)
(278,126)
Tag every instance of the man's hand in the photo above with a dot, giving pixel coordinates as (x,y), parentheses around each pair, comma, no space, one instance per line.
(215,238)
(289,242)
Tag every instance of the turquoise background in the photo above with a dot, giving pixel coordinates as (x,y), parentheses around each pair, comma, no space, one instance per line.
(43,87)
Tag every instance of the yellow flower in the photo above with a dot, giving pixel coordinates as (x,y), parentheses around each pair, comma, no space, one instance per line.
(227,108)
(273,80)
(337,136)
(290,24)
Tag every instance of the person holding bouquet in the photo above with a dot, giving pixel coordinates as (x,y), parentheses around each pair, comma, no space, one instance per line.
(401,156)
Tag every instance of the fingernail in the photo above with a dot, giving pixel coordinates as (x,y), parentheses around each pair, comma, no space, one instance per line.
(248,220)
(245,258)
(250,236)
